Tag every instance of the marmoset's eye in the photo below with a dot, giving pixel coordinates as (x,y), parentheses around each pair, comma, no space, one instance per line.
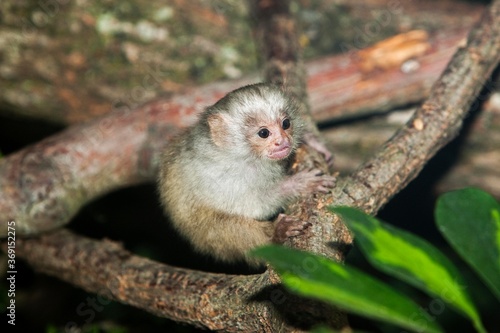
(286,124)
(263,133)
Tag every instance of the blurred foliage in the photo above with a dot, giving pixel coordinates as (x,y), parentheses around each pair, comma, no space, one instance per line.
(470,221)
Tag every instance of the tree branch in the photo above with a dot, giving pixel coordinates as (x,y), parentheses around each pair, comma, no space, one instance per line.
(473,165)
(194,297)
(432,126)
(340,90)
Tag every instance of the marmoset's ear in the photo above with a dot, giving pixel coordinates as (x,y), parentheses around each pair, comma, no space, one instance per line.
(219,133)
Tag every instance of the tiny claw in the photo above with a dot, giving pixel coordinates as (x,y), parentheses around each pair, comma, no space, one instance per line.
(288,226)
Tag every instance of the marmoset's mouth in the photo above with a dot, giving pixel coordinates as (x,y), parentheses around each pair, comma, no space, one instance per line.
(280,153)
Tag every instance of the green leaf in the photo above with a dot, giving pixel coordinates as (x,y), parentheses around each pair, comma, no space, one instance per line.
(322,329)
(411,259)
(469,219)
(317,277)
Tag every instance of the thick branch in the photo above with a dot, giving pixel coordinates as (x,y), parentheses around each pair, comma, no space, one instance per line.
(205,300)
(340,90)
(475,164)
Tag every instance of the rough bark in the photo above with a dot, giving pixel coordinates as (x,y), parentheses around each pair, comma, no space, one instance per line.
(433,125)
(205,300)
(67,62)
(475,164)
(340,90)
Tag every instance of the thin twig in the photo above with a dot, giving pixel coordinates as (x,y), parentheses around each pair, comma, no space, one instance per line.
(433,125)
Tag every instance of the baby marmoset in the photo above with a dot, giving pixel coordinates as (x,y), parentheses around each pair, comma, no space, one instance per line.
(223,179)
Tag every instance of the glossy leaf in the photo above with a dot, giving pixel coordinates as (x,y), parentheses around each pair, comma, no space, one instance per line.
(317,277)
(409,258)
(469,219)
